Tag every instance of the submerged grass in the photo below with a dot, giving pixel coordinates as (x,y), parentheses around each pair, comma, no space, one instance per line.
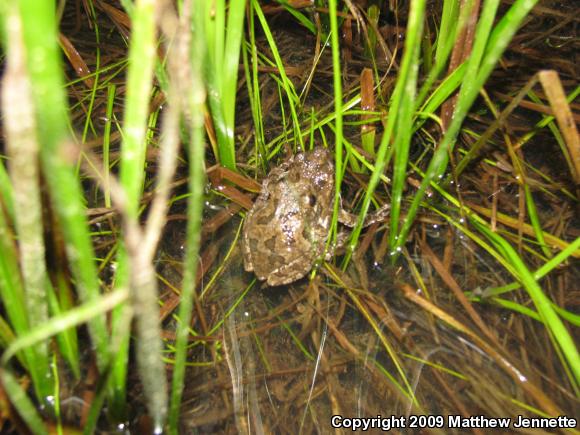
(355,338)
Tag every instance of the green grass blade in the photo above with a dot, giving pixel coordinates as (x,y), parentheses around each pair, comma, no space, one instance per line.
(119,352)
(408,63)
(447,30)
(220,51)
(195,203)
(287,85)
(522,309)
(28,261)
(215,27)
(231,61)
(470,88)
(542,303)
(120,364)
(338,133)
(26,409)
(546,268)
(74,317)
(137,119)
(6,192)
(253,83)
(11,290)
(43,61)
(517,308)
(300,17)
(535,221)
(111,90)
(408,76)
(447,87)
(67,339)
(139,84)
(31,254)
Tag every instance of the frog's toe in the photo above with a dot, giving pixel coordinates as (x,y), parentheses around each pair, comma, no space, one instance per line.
(248,267)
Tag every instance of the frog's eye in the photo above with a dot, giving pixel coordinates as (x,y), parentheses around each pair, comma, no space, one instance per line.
(311,200)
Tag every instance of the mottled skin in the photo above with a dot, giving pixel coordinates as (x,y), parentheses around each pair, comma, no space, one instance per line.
(286,230)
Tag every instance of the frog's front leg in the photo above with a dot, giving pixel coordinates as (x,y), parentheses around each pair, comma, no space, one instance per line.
(349,219)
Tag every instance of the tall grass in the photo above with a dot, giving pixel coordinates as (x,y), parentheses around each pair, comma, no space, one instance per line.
(37,117)
(221,29)
(34,70)
(490,43)
(188,45)
(338,103)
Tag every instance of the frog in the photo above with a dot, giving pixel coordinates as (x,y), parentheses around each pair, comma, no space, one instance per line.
(285,232)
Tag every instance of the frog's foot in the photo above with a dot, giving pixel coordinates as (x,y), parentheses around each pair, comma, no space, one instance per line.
(288,273)
(349,219)
(338,245)
(283,277)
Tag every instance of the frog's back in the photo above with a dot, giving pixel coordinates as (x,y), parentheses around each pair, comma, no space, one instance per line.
(285,231)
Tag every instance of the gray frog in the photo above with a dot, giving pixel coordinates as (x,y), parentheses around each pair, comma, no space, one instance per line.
(286,230)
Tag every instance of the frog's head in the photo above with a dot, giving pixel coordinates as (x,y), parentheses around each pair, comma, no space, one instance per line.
(312,175)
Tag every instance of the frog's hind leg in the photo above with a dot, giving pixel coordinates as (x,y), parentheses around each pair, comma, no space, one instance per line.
(288,273)
(349,219)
